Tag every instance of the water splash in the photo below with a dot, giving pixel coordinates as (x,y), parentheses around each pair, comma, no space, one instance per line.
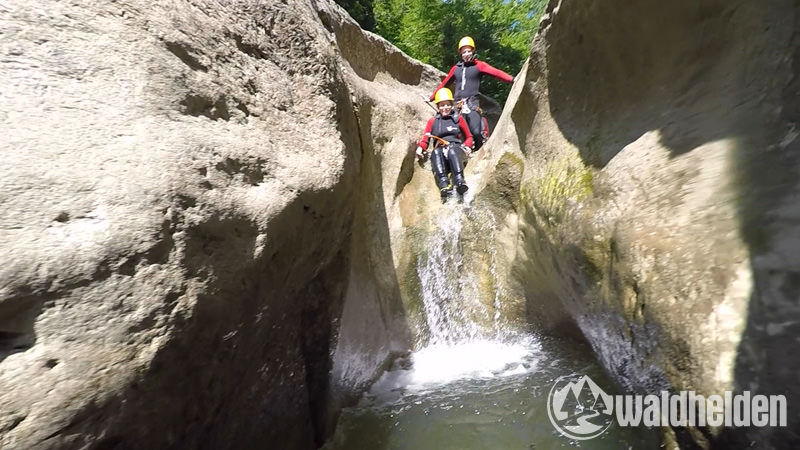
(450,288)
(440,364)
(465,338)
(475,382)
(440,274)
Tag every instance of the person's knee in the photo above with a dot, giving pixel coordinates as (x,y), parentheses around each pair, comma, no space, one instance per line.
(454,158)
(474,123)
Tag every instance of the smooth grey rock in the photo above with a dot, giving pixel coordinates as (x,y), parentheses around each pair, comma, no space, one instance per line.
(189,220)
(658,206)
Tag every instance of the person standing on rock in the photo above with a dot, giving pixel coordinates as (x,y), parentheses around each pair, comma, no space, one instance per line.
(467,77)
(447,130)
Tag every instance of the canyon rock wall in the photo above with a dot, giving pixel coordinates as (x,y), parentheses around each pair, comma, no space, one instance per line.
(658,205)
(196,208)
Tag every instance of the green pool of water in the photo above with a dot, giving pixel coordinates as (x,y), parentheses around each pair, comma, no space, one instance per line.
(496,399)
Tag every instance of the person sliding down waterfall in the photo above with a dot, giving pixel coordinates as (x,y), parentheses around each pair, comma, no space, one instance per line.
(467,76)
(445,129)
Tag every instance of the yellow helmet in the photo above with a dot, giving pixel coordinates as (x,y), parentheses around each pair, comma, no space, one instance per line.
(466,40)
(442,95)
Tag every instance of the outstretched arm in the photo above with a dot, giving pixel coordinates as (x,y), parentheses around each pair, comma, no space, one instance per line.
(444,82)
(497,73)
(424,141)
(462,124)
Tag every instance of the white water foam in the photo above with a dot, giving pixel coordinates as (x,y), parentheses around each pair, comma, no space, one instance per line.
(450,291)
(442,364)
(457,347)
(445,363)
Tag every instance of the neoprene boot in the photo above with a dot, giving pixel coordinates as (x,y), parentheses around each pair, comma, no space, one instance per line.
(461,184)
(445,194)
(457,168)
(445,188)
(439,167)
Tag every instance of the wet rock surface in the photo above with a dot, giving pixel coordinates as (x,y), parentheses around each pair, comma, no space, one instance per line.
(212,216)
(192,210)
(658,204)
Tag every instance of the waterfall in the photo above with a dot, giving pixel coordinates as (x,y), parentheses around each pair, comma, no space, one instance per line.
(441,272)
(473,381)
(449,291)
(465,337)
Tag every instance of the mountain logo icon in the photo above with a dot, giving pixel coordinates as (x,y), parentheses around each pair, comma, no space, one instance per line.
(578,408)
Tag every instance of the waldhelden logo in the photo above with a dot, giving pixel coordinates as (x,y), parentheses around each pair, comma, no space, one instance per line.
(579,409)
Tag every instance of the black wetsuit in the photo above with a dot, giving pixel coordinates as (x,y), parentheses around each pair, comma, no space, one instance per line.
(467,80)
(450,128)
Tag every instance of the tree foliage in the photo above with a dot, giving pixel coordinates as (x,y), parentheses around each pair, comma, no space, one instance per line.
(361,11)
(429,30)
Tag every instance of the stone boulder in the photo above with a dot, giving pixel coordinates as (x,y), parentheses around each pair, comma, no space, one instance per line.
(657,211)
(197,204)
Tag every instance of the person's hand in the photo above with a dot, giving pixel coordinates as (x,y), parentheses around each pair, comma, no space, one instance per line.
(419,153)
(467,150)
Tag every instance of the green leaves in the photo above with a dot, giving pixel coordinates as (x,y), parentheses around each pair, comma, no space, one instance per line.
(361,11)
(429,30)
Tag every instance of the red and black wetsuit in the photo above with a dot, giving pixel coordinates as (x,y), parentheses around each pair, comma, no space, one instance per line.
(467,80)
(467,77)
(450,128)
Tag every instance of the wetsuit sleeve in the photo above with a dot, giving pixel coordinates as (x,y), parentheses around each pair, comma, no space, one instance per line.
(444,82)
(424,141)
(497,73)
(465,129)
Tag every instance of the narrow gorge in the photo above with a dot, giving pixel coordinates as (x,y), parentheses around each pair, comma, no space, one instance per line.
(215,233)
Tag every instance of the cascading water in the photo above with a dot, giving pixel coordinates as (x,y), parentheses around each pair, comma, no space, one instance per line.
(464,336)
(439,281)
(447,289)
(473,383)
